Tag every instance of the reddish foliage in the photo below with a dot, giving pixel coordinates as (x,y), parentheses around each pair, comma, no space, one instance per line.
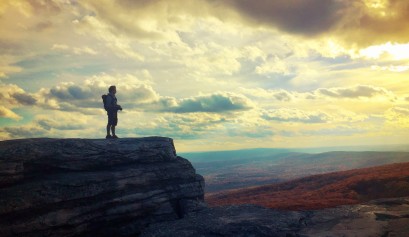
(324,190)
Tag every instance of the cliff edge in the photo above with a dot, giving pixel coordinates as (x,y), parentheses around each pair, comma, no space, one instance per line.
(93,187)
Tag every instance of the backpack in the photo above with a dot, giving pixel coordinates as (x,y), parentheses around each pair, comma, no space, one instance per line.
(104,100)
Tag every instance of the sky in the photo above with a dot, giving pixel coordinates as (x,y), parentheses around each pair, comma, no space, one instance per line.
(212,75)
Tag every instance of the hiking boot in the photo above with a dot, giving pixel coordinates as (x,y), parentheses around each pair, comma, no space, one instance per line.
(114,136)
(108,136)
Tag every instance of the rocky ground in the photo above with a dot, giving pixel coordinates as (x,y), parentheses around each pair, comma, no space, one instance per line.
(383,218)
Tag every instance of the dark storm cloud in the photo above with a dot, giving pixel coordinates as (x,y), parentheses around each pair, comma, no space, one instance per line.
(71,92)
(215,103)
(390,23)
(24,98)
(356,22)
(306,17)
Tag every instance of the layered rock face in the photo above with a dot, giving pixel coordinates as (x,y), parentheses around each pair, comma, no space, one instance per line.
(90,187)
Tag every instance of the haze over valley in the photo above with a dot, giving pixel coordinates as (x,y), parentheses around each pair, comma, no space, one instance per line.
(244,168)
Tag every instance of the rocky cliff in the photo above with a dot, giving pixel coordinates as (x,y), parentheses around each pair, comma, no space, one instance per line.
(90,187)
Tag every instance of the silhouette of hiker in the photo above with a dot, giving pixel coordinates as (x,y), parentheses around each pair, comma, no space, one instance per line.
(112,110)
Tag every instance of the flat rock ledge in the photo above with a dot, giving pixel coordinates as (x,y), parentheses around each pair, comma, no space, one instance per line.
(380,218)
(93,187)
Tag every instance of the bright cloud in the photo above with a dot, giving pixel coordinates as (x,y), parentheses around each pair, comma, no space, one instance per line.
(295,115)
(394,51)
(7,113)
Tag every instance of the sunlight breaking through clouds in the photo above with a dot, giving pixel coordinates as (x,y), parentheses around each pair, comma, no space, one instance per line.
(388,50)
(212,74)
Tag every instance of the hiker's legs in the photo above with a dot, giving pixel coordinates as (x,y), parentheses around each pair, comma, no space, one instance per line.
(112,122)
(113,130)
(108,128)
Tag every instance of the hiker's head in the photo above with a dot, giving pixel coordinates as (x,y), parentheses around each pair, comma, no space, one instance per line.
(112,89)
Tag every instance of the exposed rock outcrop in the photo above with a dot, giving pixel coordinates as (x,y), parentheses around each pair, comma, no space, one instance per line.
(383,218)
(91,187)
(140,187)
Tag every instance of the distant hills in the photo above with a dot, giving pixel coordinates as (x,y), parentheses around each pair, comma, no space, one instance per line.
(226,170)
(323,190)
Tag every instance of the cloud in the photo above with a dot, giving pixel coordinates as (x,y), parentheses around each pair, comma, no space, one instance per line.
(215,58)
(14,96)
(392,68)
(28,131)
(279,95)
(397,117)
(283,95)
(335,131)
(24,98)
(57,124)
(70,92)
(251,132)
(213,103)
(308,17)
(50,7)
(7,62)
(274,65)
(295,115)
(146,19)
(75,50)
(129,27)
(371,22)
(29,28)
(131,93)
(352,92)
(7,113)
(400,111)
(119,44)
(62,121)
(179,126)
(359,91)
(362,23)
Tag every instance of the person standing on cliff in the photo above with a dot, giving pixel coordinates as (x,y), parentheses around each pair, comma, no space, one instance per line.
(112,111)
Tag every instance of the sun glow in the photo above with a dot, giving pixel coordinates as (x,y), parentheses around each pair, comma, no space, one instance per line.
(378,7)
(376,3)
(389,50)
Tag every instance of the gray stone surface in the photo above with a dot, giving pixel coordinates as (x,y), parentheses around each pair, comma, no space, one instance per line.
(93,187)
(383,218)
